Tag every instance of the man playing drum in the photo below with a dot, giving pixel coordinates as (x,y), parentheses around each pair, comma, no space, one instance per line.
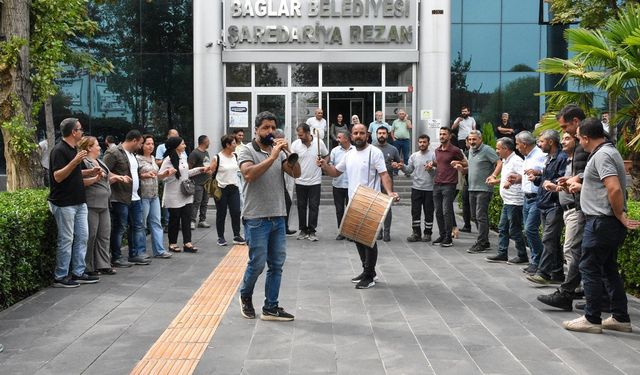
(364,166)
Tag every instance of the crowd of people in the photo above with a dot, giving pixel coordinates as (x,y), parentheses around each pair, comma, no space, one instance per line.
(571,182)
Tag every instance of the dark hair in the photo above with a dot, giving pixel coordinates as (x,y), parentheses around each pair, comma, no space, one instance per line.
(592,128)
(265,116)
(305,128)
(67,125)
(424,136)
(507,142)
(571,111)
(111,139)
(447,129)
(132,135)
(171,144)
(201,139)
(237,130)
(382,128)
(227,139)
(465,107)
(144,139)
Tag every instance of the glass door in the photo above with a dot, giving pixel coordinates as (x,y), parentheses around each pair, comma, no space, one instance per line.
(274,103)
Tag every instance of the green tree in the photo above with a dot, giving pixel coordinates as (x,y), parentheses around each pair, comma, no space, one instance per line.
(590,13)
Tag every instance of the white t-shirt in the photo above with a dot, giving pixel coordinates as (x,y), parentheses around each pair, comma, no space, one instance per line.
(311,173)
(133,166)
(465,126)
(363,168)
(315,124)
(512,195)
(227,171)
(535,160)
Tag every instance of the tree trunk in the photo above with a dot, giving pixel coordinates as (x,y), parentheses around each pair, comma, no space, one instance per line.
(48,118)
(15,93)
(613,110)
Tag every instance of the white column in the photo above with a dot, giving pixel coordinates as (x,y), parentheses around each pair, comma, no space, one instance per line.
(434,68)
(208,88)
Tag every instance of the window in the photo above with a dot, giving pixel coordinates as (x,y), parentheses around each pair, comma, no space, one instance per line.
(304,75)
(398,74)
(352,74)
(238,75)
(271,75)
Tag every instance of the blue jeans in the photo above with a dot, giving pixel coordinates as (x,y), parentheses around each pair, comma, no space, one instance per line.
(121,216)
(267,245)
(531,219)
(73,233)
(510,227)
(403,146)
(603,235)
(151,220)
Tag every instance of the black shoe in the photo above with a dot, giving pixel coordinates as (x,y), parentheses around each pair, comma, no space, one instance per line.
(379,236)
(85,279)
(386,237)
(139,261)
(466,229)
(246,308)
(415,237)
(447,242)
(290,232)
(438,240)
(496,258)
(477,248)
(426,238)
(361,276)
(238,240)
(277,314)
(366,283)
(517,260)
(65,282)
(581,305)
(531,269)
(340,237)
(559,299)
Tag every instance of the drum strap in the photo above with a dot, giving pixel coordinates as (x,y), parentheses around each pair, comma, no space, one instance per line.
(375,175)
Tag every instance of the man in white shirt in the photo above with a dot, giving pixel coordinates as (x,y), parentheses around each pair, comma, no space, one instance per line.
(510,226)
(341,183)
(363,166)
(309,149)
(464,124)
(318,122)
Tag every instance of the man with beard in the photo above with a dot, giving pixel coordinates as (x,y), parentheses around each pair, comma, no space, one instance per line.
(482,162)
(340,184)
(393,161)
(421,189)
(262,164)
(464,124)
(363,166)
(444,189)
(374,125)
(551,266)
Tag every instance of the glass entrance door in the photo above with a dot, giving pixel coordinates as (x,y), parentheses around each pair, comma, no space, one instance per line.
(274,103)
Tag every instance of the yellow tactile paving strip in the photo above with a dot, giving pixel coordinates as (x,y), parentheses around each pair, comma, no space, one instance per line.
(180,347)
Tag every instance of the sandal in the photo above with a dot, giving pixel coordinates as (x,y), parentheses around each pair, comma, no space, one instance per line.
(174,248)
(190,249)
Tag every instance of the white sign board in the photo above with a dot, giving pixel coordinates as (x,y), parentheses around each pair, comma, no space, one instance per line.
(239,114)
(426,114)
(433,124)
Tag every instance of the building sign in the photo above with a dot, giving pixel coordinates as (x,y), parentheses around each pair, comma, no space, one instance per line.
(321,24)
(239,114)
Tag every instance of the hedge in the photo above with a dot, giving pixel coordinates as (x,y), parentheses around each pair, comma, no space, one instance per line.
(27,245)
(628,255)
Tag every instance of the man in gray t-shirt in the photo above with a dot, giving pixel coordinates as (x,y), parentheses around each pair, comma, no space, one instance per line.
(262,163)
(199,157)
(603,202)
(393,161)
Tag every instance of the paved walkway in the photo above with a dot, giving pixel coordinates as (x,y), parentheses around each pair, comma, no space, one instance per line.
(434,310)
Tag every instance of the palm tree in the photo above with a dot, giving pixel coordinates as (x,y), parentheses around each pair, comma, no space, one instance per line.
(607,59)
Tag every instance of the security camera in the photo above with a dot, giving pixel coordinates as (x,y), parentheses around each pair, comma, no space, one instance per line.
(209,45)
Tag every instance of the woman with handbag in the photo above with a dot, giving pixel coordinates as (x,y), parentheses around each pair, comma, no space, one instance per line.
(178,193)
(148,172)
(227,179)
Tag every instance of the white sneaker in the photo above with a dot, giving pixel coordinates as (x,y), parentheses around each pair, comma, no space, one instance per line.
(612,324)
(193,225)
(581,324)
(312,237)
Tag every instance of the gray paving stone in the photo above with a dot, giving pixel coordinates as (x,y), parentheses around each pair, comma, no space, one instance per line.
(266,367)
(495,359)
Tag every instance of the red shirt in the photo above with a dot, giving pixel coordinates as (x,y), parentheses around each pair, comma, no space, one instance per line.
(445,173)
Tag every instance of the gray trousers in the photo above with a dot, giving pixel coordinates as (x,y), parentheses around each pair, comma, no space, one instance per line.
(387,219)
(479,203)
(200,202)
(574,230)
(551,264)
(98,252)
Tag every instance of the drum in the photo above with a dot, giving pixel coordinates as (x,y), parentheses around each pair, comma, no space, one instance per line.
(365,215)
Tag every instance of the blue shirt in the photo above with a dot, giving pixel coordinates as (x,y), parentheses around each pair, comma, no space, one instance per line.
(335,157)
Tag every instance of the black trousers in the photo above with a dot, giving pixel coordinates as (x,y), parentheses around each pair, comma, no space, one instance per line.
(180,218)
(368,257)
(340,200)
(230,200)
(308,196)
(422,201)
(288,203)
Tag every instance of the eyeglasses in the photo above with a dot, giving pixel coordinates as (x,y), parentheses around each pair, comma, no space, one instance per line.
(79,129)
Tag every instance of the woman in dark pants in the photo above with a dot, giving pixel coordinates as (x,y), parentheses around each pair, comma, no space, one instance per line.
(227,177)
(178,203)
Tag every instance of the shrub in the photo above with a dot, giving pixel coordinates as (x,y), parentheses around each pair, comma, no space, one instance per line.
(488,135)
(629,253)
(27,244)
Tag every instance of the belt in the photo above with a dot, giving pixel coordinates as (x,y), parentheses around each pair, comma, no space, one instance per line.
(567,207)
(530,195)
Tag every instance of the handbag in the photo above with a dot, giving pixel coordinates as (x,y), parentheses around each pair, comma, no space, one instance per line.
(212,185)
(188,187)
